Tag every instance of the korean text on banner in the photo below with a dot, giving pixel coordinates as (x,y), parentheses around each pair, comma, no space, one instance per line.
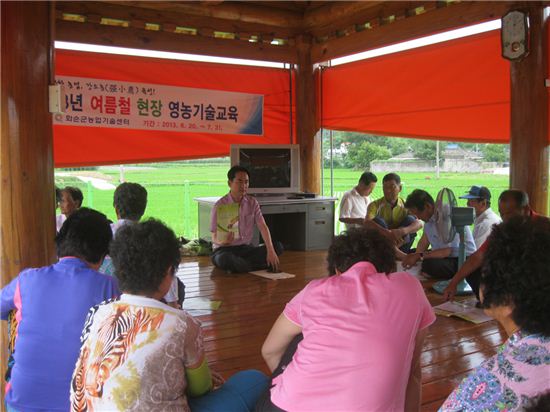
(116,104)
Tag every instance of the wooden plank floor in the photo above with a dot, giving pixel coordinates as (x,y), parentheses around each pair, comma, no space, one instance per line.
(235,332)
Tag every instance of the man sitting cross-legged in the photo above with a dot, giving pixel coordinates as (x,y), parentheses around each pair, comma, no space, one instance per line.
(390,216)
(442,260)
(234,252)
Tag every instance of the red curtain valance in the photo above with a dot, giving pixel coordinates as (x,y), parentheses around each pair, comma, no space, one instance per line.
(458,90)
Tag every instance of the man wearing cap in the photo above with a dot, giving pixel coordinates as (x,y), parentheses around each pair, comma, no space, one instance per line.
(479,198)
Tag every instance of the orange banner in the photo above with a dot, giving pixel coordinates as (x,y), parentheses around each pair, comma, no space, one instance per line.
(85,145)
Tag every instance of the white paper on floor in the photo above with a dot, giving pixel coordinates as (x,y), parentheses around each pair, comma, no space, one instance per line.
(414,270)
(200,303)
(273,276)
(465,309)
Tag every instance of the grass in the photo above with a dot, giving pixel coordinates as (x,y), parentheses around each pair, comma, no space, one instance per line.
(172,187)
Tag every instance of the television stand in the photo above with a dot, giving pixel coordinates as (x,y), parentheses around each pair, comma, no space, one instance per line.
(300,224)
(260,197)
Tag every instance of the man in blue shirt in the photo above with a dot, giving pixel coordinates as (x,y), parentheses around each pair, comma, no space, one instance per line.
(50,305)
(441,261)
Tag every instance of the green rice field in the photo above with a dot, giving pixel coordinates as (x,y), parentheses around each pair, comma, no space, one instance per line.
(173,186)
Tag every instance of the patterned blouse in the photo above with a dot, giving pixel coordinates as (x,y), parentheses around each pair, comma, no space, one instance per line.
(508,380)
(133,357)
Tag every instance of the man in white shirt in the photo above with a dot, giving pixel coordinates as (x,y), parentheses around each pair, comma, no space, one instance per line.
(441,261)
(479,197)
(353,207)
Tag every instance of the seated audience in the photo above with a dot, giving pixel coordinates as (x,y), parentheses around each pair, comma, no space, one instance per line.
(130,202)
(540,403)
(362,335)
(514,290)
(510,203)
(70,200)
(60,218)
(354,204)
(390,216)
(441,261)
(50,305)
(140,354)
(234,252)
(479,198)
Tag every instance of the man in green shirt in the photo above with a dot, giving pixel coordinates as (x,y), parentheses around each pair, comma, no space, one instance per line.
(390,216)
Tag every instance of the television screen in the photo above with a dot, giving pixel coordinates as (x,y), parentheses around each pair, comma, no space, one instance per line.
(269,168)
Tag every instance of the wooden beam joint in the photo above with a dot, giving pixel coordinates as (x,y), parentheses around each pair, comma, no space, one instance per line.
(172,42)
(452,16)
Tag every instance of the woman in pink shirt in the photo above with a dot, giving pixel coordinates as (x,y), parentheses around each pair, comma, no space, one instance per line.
(362,330)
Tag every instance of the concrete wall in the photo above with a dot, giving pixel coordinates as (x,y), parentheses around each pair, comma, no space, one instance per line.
(380,166)
(461,165)
(449,165)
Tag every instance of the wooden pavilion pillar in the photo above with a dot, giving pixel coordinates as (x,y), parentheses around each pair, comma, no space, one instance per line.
(306,123)
(26,165)
(529,116)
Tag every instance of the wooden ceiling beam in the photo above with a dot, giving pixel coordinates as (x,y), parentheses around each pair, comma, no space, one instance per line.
(451,17)
(232,11)
(163,41)
(333,11)
(322,21)
(129,13)
(317,20)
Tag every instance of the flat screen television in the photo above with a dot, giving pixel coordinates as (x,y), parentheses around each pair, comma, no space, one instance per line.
(273,168)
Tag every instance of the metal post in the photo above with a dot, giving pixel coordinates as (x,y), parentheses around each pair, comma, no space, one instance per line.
(322,164)
(437,159)
(321,68)
(186,209)
(461,246)
(290,69)
(461,254)
(331,166)
(90,194)
(440,286)
(329,64)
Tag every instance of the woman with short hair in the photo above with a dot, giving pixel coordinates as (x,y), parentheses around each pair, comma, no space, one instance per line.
(139,353)
(362,334)
(70,199)
(50,306)
(515,290)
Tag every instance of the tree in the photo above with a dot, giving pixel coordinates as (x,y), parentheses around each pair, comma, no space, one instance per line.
(361,155)
(495,152)
(424,149)
(398,145)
